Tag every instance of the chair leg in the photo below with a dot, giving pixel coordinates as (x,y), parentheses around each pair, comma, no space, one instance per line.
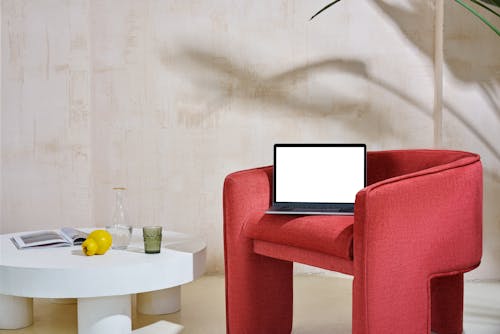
(390,303)
(447,304)
(259,295)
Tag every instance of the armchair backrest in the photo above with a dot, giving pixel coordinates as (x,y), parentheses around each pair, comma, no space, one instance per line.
(383,165)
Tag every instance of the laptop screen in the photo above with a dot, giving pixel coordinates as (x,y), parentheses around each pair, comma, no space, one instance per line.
(322,173)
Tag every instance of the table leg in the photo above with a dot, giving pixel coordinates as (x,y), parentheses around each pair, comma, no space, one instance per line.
(64,301)
(103,315)
(15,312)
(159,302)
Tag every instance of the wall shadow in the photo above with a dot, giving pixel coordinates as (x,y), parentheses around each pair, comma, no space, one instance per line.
(471,48)
(466,59)
(411,21)
(470,53)
(226,80)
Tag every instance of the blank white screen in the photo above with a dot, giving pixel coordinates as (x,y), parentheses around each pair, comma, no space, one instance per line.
(319,174)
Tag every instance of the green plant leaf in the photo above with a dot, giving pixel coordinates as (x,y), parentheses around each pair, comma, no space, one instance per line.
(485,7)
(473,11)
(323,9)
(492,2)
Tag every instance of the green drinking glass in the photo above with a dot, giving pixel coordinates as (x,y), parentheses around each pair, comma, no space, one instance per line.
(152,239)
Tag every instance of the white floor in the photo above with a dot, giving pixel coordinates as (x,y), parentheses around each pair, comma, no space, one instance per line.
(322,305)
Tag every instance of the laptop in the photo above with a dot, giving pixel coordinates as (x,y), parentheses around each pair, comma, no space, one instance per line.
(317,179)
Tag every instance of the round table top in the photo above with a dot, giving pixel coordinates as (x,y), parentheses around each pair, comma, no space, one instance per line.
(65,272)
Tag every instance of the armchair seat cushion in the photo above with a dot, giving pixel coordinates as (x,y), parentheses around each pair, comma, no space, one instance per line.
(331,235)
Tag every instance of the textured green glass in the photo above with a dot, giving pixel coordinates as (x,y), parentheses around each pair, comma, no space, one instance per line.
(152,239)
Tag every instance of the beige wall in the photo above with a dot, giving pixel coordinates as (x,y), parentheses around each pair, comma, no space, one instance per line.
(167,97)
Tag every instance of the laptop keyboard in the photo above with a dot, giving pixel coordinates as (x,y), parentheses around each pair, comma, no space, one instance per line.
(311,208)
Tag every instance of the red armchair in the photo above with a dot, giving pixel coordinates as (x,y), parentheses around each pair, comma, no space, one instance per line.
(417,227)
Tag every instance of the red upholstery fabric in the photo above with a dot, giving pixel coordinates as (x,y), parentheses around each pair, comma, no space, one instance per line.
(306,256)
(383,165)
(325,234)
(434,219)
(417,229)
(247,192)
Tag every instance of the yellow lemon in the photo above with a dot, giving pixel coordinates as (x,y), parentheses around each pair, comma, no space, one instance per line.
(103,239)
(89,247)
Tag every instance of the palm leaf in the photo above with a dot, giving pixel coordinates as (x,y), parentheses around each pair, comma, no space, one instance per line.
(461,2)
(485,7)
(474,12)
(324,8)
(492,2)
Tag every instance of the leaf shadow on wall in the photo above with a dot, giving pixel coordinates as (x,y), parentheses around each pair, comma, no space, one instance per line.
(470,55)
(227,81)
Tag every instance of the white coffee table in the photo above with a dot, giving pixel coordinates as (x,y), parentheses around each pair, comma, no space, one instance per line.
(103,284)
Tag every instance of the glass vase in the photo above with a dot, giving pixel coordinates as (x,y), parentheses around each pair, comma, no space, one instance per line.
(120,229)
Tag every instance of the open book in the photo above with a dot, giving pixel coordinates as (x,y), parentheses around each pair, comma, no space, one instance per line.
(66,236)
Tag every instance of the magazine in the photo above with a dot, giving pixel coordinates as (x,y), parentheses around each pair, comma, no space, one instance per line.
(66,236)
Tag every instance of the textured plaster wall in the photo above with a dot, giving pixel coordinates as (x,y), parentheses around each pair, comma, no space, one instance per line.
(167,97)
(46,171)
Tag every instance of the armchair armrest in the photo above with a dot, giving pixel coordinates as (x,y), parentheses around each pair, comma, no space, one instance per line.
(246,192)
(410,229)
(437,210)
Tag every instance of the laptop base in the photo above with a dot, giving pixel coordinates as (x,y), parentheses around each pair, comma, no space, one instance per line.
(301,211)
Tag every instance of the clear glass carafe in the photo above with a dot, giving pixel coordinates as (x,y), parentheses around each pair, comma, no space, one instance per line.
(120,229)
(119,215)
